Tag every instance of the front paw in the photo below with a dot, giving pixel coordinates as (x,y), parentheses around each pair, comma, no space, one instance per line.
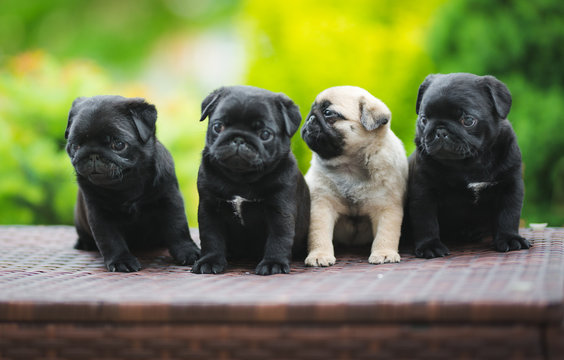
(271,267)
(384,256)
(318,258)
(431,249)
(124,262)
(508,242)
(185,254)
(210,264)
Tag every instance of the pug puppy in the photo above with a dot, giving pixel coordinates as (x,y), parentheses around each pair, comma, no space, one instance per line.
(128,196)
(465,174)
(254,202)
(357,178)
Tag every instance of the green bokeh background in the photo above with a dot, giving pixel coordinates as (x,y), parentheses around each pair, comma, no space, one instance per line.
(174,52)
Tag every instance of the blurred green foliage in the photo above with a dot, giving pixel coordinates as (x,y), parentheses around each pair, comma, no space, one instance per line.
(116,33)
(52,52)
(522,43)
(36,184)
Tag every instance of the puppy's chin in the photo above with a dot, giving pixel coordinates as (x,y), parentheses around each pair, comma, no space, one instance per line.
(238,164)
(447,151)
(103,179)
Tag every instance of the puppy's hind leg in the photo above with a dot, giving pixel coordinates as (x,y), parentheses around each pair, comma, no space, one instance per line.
(386,224)
(85,241)
(320,240)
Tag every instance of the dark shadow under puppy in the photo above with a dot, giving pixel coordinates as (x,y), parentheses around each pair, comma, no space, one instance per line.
(465,178)
(128,195)
(254,202)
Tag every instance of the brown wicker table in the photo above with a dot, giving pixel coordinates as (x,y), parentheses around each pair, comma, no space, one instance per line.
(60,303)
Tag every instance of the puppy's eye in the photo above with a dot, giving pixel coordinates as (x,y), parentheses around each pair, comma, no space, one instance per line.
(330,116)
(218,127)
(468,121)
(265,135)
(423,120)
(118,145)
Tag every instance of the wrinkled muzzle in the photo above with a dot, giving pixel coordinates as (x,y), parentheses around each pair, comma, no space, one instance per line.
(237,153)
(98,170)
(443,144)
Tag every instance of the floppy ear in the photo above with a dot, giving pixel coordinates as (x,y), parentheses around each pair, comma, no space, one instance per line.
(499,95)
(370,117)
(72,112)
(291,113)
(144,116)
(422,88)
(210,102)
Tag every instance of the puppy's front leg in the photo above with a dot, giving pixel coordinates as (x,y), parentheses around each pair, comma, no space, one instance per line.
(386,225)
(281,227)
(423,216)
(506,225)
(111,243)
(212,239)
(320,240)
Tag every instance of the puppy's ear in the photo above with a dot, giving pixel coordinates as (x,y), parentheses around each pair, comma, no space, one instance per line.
(291,114)
(372,116)
(210,102)
(499,95)
(144,116)
(422,88)
(72,112)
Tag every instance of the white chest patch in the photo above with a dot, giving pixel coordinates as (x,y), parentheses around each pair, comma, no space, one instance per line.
(237,204)
(477,187)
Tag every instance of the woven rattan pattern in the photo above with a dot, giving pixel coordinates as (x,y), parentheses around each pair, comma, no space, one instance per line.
(42,278)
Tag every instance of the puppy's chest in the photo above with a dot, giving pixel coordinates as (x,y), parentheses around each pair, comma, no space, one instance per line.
(350,187)
(474,189)
(479,188)
(242,207)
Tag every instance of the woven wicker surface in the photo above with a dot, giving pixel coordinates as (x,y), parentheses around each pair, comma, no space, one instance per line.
(42,278)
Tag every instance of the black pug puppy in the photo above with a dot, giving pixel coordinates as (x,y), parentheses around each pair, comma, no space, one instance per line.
(254,202)
(465,176)
(128,196)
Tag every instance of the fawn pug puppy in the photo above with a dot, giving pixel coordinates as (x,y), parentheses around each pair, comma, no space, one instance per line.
(357,178)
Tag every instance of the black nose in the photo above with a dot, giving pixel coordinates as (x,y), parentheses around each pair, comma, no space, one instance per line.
(441,133)
(94,157)
(238,141)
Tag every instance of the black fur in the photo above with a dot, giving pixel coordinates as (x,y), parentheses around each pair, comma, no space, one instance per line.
(128,198)
(236,162)
(462,138)
(319,134)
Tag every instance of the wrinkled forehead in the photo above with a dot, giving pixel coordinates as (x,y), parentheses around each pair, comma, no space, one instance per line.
(346,100)
(244,108)
(450,98)
(95,121)
(342,102)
